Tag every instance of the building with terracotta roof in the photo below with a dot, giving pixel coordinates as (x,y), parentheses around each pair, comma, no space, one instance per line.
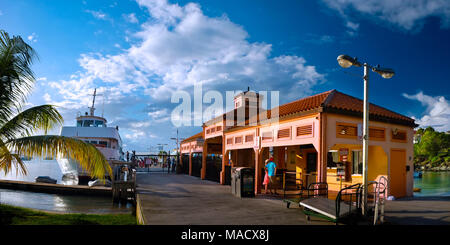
(315,138)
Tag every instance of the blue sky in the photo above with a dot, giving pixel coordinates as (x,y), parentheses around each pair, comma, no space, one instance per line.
(137,53)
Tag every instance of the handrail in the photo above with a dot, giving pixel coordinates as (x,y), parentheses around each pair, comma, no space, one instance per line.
(318,189)
(353,190)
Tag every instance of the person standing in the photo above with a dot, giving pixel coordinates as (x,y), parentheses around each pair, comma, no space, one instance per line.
(169,164)
(266,178)
(271,172)
(174,165)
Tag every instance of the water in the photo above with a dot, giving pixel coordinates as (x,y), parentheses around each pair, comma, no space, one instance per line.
(36,167)
(433,184)
(54,202)
(62,203)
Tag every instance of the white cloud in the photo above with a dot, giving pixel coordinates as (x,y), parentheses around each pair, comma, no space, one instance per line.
(47,98)
(180,46)
(32,37)
(135,135)
(437,113)
(131,18)
(405,14)
(159,115)
(97,14)
(175,48)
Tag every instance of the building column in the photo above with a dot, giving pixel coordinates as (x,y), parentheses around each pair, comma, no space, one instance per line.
(258,165)
(234,158)
(322,153)
(204,155)
(225,160)
(190,163)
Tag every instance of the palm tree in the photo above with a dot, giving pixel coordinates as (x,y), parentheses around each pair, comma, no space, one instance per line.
(18,126)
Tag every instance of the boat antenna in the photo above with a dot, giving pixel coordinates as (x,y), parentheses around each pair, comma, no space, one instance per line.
(92,108)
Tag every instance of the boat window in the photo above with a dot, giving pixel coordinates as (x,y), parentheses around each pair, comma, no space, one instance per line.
(98,123)
(88,123)
(79,123)
(103,143)
(48,158)
(94,142)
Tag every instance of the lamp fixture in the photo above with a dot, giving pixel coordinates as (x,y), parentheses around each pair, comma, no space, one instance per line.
(384,72)
(346,61)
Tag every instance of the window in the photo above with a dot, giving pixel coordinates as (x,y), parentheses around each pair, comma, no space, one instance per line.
(376,134)
(398,135)
(284,133)
(230,141)
(267,136)
(208,131)
(79,123)
(88,123)
(213,130)
(357,162)
(103,143)
(93,142)
(249,138)
(304,130)
(98,123)
(346,130)
(238,140)
(332,159)
(219,128)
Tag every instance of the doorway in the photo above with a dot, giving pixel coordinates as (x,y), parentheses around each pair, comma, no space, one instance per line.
(397,176)
(311,163)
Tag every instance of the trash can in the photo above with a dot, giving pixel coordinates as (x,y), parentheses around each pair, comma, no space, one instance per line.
(243,182)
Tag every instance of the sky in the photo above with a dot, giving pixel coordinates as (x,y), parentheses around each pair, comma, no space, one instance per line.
(138,53)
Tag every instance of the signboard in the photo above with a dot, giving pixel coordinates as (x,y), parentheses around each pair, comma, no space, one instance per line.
(343,153)
(257,143)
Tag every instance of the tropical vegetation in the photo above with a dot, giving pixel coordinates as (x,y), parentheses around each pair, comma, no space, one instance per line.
(19,126)
(432,149)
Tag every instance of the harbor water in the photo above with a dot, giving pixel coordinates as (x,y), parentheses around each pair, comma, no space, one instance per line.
(54,202)
(433,184)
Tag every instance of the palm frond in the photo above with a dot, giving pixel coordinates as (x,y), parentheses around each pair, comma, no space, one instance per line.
(16,77)
(89,157)
(9,160)
(42,117)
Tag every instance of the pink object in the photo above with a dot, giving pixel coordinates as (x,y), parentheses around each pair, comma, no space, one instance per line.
(266,179)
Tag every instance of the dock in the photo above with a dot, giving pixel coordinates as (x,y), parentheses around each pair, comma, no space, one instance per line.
(56,188)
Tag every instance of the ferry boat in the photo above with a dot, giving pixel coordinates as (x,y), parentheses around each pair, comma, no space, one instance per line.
(94,130)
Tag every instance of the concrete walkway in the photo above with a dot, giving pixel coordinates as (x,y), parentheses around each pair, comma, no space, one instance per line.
(419,211)
(170,199)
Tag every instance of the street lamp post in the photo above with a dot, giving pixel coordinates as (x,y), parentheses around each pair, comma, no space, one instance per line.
(177,140)
(178,148)
(346,61)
